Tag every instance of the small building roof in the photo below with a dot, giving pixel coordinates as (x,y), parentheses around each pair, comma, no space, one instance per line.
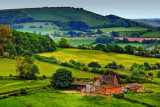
(80,83)
(109,86)
(134,85)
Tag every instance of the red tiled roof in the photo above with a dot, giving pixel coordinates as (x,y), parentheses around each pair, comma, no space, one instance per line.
(108,86)
(80,83)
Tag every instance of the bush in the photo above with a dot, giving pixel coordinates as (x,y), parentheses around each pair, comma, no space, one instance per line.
(119,95)
(151,73)
(113,65)
(85,69)
(158,74)
(1,77)
(23,91)
(44,76)
(94,64)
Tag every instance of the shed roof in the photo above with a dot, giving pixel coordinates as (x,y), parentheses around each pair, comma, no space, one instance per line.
(134,85)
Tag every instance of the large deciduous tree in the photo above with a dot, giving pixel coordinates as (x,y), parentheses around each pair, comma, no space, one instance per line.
(63,43)
(26,68)
(62,78)
(6,34)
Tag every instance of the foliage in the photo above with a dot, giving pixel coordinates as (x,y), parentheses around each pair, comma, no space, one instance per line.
(62,78)
(63,43)
(114,65)
(158,74)
(1,50)
(16,43)
(119,95)
(94,64)
(23,91)
(26,68)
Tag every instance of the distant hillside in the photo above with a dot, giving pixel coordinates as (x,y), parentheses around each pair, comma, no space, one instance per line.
(62,15)
(152,22)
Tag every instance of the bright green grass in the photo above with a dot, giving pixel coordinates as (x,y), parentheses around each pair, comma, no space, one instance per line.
(154,34)
(151,46)
(8,66)
(122,29)
(149,98)
(77,40)
(133,44)
(86,56)
(10,85)
(48,98)
(153,87)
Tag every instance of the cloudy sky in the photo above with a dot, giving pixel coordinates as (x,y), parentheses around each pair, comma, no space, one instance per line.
(124,8)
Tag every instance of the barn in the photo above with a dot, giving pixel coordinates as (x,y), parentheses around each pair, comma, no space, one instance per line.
(107,84)
(81,86)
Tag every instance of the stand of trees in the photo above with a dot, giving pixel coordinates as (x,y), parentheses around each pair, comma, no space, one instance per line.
(17,43)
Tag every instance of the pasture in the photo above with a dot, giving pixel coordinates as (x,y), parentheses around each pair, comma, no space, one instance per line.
(153,34)
(122,29)
(87,56)
(149,98)
(77,40)
(11,85)
(53,98)
(8,66)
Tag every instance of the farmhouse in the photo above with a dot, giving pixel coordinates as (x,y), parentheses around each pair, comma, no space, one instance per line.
(81,86)
(107,84)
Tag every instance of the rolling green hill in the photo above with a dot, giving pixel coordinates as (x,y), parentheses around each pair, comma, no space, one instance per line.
(87,56)
(64,14)
(8,66)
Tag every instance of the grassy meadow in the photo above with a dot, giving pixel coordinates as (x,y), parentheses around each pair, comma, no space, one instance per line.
(149,98)
(51,98)
(11,85)
(77,40)
(153,34)
(8,66)
(122,29)
(86,56)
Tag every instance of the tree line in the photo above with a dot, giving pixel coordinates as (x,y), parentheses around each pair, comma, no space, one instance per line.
(20,43)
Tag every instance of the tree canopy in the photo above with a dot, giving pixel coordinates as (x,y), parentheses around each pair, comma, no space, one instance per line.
(62,78)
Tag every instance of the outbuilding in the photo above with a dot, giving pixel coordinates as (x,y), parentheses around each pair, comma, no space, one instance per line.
(81,86)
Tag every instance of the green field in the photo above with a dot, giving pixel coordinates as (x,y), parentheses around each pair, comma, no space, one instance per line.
(86,56)
(50,98)
(77,40)
(11,85)
(149,98)
(153,34)
(122,29)
(8,66)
